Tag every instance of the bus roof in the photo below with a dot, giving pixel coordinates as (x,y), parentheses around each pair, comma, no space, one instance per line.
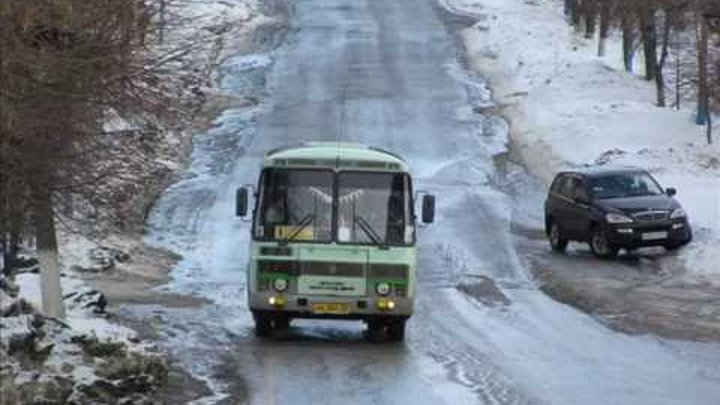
(342,155)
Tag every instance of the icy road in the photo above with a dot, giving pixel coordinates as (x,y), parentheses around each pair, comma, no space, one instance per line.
(387,73)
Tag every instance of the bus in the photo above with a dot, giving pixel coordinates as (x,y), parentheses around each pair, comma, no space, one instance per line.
(333,237)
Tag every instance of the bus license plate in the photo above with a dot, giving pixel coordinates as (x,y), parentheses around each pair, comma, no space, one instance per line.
(654,235)
(331,308)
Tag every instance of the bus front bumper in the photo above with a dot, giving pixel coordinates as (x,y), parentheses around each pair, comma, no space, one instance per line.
(331,307)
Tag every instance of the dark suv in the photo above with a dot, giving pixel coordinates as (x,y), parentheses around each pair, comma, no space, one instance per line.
(613,208)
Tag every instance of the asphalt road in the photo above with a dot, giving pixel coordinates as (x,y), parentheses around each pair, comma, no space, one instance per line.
(387,73)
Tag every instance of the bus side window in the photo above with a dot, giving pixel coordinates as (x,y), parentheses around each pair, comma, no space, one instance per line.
(395,219)
(396,211)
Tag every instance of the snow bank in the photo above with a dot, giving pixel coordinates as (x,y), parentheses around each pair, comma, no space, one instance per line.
(80,359)
(569,107)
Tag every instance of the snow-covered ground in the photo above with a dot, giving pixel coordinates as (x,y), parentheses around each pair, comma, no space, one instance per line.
(76,359)
(568,107)
(79,318)
(223,27)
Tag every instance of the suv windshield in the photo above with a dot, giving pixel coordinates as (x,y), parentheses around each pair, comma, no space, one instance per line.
(619,185)
(372,207)
(295,204)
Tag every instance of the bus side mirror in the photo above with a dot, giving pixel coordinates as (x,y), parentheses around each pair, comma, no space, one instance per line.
(241,202)
(428,209)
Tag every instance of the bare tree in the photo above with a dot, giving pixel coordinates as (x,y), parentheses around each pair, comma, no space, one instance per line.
(703,107)
(572,9)
(648,35)
(628,39)
(605,21)
(670,14)
(590,14)
(67,67)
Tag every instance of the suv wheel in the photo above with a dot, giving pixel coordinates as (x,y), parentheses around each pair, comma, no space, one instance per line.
(558,243)
(600,245)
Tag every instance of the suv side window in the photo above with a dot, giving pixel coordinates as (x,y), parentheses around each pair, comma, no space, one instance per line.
(566,189)
(578,189)
(557,184)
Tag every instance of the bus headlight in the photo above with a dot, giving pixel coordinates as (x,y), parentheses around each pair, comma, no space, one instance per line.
(277,301)
(385,304)
(382,288)
(280,284)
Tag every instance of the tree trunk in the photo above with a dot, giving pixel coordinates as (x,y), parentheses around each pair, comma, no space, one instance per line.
(590,19)
(574,9)
(708,129)
(677,79)
(649,38)
(659,77)
(3,253)
(47,251)
(10,247)
(161,27)
(703,93)
(660,86)
(604,26)
(627,42)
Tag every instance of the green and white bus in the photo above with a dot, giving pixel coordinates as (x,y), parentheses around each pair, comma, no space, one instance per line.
(333,236)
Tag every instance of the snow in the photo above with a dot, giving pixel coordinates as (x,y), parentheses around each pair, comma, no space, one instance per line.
(66,358)
(234,20)
(653,367)
(82,321)
(15,326)
(568,107)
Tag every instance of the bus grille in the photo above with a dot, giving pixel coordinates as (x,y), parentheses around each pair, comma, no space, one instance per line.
(332,269)
(377,271)
(388,271)
(278,267)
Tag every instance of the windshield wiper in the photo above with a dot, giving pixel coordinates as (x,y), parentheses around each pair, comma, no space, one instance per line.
(370,232)
(307,220)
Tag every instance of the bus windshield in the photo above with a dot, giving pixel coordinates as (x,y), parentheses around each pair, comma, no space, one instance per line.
(374,208)
(297,205)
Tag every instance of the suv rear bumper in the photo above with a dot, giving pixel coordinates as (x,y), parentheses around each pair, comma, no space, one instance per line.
(634,235)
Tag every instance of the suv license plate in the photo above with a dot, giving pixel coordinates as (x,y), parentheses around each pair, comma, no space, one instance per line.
(331,308)
(654,235)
